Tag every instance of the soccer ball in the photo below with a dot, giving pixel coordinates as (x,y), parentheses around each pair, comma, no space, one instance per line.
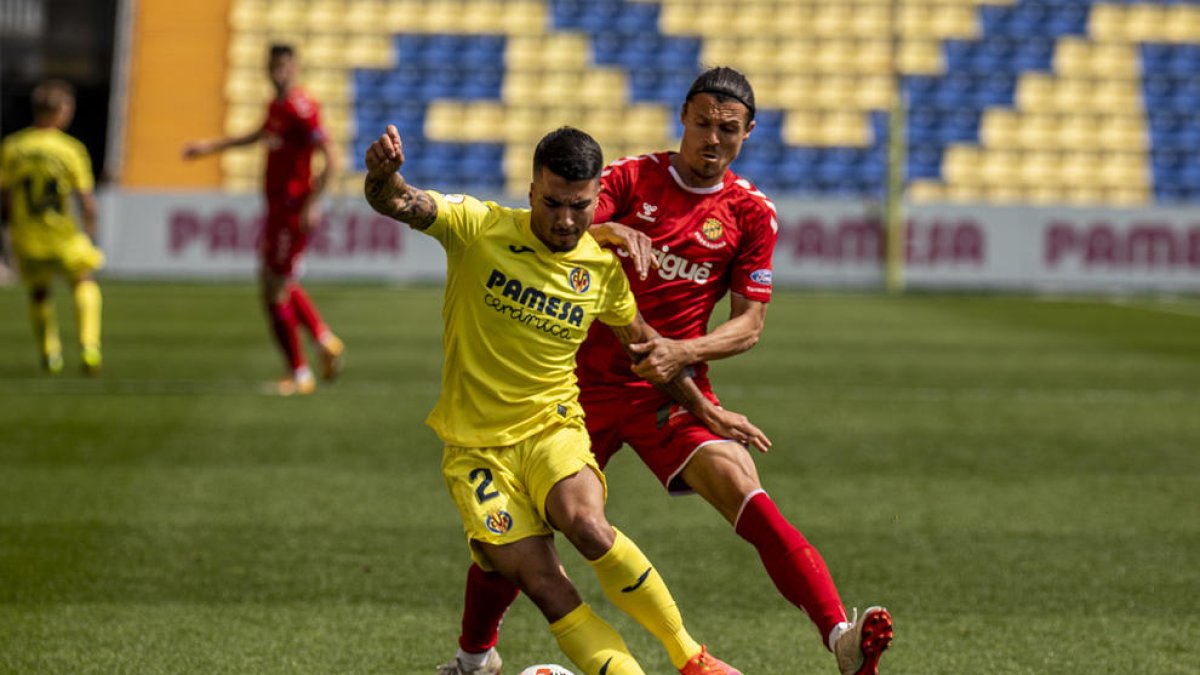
(546,669)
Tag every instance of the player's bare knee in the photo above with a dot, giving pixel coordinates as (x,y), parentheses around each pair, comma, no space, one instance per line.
(590,534)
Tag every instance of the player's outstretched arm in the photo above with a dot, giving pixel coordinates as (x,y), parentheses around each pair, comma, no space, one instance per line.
(663,358)
(196,149)
(387,191)
(685,392)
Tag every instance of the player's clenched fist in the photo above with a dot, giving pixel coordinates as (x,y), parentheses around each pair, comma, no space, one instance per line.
(386,154)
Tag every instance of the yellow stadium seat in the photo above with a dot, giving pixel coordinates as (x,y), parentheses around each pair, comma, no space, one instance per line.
(1038,130)
(873,56)
(248,15)
(965,193)
(566,51)
(1107,22)
(961,165)
(1072,57)
(370,51)
(1124,170)
(479,16)
(921,57)
(1079,168)
(247,50)
(999,128)
(1183,23)
(874,92)
(1123,96)
(795,91)
(1078,131)
(1146,22)
(603,86)
(712,18)
(1045,195)
(524,17)
(833,19)
(1038,168)
(443,120)
(520,86)
(1084,195)
(999,168)
(834,55)
(247,86)
(802,127)
(286,15)
(521,125)
(1035,92)
(646,123)
(326,15)
(795,55)
(365,16)
(954,22)
(1072,95)
(926,192)
(484,122)
(870,22)
(242,118)
(1128,196)
(832,92)
(1126,133)
(1005,194)
(325,49)
(1117,61)
(331,87)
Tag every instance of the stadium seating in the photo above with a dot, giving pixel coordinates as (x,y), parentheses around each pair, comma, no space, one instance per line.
(1042,101)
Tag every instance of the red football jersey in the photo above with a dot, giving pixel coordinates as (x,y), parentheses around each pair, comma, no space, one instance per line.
(707,241)
(292,129)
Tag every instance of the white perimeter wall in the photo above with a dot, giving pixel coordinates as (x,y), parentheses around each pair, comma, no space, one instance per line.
(821,244)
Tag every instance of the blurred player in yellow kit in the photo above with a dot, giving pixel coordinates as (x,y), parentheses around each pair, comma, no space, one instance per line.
(40,168)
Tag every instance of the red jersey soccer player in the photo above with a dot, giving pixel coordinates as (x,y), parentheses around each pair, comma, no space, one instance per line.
(709,232)
(293,132)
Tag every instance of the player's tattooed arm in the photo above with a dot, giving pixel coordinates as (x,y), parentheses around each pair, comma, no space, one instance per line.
(682,388)
(386,190)
(392,196)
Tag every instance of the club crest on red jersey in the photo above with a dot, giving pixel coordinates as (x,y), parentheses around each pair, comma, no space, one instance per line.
(712,229)
(580,280)
(498,522)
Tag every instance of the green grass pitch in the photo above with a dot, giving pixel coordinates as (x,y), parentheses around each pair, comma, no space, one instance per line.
(1015,478)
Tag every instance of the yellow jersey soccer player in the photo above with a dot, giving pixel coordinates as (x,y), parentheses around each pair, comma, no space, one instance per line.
(522,288)
(40,168)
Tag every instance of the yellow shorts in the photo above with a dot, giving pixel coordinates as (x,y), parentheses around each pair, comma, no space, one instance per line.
(76,257)
(501,492)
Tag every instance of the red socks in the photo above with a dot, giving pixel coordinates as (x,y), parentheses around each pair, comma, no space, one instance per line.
(283,324)
(489,595)
(306,311)
(793,564)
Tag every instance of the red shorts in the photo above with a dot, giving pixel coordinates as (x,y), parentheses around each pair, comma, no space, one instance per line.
(283,240)
(664,435)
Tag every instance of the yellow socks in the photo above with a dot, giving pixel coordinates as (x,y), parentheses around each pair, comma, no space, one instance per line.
(592,644)
(45,331)
(87,309)
(632,583)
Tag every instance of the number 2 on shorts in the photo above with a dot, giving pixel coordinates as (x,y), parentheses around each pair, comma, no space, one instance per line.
(481,492)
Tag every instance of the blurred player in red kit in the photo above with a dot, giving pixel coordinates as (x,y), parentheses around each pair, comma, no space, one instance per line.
(293,133)
(689,230)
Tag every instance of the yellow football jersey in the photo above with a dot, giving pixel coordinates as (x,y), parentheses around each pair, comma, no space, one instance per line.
(514,314)
(40,168)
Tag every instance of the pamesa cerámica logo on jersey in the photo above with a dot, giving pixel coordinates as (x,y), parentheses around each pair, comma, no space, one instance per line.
(527,297)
